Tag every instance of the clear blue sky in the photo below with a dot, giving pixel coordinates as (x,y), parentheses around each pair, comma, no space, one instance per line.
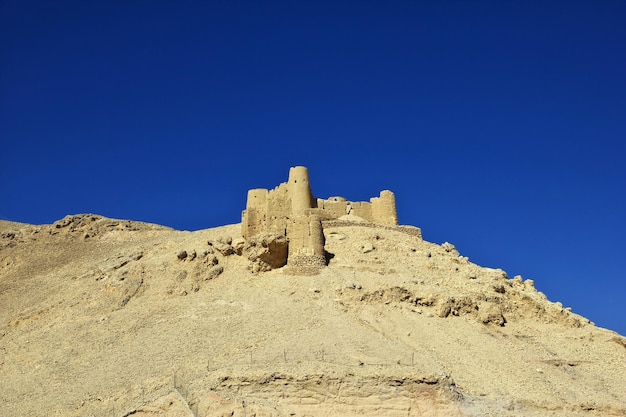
(500,125)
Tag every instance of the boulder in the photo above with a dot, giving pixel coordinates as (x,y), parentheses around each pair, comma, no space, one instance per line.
(268,250)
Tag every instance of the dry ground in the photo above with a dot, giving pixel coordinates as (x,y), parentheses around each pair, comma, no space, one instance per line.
(102,317)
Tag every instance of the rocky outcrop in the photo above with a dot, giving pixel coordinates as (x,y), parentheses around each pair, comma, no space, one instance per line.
(160,322)
(265,252)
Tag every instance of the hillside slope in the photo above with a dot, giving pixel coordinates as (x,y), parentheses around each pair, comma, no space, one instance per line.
(103,317)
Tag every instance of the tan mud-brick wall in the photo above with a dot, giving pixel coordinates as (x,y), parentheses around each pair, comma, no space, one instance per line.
(254,217)
(362,210)
(331,208)
(278,209)
(384,209)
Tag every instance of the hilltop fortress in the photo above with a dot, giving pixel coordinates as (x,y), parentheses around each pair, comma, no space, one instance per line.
(291,212)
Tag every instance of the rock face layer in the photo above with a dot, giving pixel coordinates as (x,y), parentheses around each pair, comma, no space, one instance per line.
(103,317)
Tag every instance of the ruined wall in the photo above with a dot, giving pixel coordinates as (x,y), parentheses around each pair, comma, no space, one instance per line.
(278,209)
(361,209)
(266,211)
(333,208)
(381,210)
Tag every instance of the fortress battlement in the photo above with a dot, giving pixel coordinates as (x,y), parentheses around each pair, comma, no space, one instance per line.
(291,211)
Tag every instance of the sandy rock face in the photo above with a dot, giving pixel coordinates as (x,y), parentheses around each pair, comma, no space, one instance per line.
(265,252)
(138,319)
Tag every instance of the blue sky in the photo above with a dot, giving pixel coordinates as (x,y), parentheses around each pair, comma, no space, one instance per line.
(500,125)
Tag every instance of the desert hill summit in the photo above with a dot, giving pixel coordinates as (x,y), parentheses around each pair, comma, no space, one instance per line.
(309,307)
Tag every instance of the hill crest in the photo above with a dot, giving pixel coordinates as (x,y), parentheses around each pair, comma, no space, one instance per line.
(108,317)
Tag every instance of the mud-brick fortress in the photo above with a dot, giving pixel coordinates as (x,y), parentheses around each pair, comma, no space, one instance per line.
(291,210)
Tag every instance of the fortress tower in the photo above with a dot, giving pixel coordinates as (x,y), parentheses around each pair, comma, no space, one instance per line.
(302,200)
(384,209)
(306,242)
(290,210)
(254,220)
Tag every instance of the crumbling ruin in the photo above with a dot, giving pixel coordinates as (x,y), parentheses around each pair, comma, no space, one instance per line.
(291,214)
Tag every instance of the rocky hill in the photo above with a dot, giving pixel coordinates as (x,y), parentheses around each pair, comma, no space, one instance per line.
(103,317)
